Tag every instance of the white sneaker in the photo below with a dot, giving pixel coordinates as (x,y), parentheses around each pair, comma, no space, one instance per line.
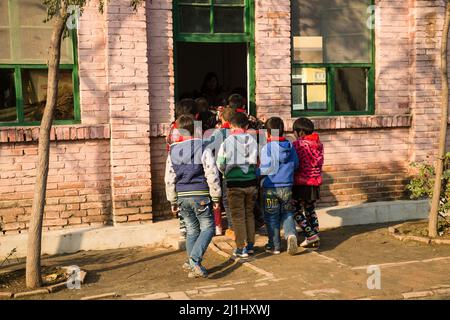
(311,241)
(218,231)
(292,245)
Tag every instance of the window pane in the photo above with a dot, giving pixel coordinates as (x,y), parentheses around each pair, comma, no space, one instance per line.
(34,86)
(7,96)
(331,31)
(194,19)
(34,35)
(350,85)
(5,47)
(309,89)
(4,19)
(229,2)
(229,20)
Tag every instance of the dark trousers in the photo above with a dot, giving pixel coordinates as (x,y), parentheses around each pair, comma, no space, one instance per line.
(306,217)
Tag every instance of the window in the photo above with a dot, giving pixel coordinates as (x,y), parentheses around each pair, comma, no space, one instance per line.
(219,19)
(23,71)
(333,69)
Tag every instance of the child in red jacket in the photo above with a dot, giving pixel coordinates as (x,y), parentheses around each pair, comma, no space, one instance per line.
(307,179)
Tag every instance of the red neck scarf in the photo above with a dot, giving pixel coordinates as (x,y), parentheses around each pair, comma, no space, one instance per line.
(311,137)
(183,138)
(241,110)
(276,139)
(226,125)
(237,131)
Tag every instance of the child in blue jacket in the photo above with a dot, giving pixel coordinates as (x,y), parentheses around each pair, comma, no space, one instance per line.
(278,163)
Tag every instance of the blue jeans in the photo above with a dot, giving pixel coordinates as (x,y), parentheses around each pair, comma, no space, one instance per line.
(278,211)
(198,216)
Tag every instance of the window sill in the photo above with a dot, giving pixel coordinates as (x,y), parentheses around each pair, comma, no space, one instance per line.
(359,122)
(57,133)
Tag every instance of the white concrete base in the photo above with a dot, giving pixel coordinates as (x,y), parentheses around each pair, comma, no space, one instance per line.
(160,234)
(166,233)
(373,212)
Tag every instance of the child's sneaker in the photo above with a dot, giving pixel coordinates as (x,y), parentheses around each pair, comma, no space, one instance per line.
(272,250)
(240,253)
(292,247)
(187,267)
(198,271)
(218,230)
(250,248)
(230,234)
(313,241)
(183,233)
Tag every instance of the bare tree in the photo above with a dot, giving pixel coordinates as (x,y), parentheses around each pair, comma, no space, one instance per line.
(434,211)
(58,12)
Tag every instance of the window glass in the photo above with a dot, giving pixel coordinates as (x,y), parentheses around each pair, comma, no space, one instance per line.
(350,86)
(309,89)
(34,35)
(34,86)
(194,19)
(331,31)
(229,20)
(5,47)
(8,110)
(4,19)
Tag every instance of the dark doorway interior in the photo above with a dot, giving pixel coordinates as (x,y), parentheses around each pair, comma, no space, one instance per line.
(196,60)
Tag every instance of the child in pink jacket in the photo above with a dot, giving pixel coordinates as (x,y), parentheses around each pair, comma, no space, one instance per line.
(307,179)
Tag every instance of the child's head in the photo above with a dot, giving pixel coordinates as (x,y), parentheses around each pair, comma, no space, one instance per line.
(239,121)
(202,104)
(303,127)
(236,101)
(227,114)
(275,126)
(185,124)
(185,107)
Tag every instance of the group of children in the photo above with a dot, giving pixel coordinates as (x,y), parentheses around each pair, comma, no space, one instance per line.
(220,163)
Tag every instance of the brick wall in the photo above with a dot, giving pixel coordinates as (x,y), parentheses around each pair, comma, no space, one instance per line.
(161,84)
(128,88)
(78,189)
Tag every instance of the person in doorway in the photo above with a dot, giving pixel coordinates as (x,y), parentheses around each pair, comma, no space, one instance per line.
(307,179)
(212,90)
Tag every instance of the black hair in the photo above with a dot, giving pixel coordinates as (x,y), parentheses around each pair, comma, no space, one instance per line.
(199,101)
(305,125)
(186,122)
(275,123)
(207,78)
(236,101)
(208,119)
(239,120)
(185,107)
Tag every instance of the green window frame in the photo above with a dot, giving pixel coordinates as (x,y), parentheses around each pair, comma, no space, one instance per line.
(212,35)
(248,36)
(331,70)
(19,68)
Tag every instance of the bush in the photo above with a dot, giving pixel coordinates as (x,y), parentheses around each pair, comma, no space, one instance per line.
(421,186)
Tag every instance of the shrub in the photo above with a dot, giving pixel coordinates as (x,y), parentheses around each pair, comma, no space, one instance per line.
(422,184)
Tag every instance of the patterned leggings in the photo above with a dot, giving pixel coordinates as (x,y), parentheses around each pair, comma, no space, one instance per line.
(306,217)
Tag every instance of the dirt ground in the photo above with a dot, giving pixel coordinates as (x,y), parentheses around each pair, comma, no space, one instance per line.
(420,229)
(337,270)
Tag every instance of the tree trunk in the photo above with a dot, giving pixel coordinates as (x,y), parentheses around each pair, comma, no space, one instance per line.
(434,211)
(33,263)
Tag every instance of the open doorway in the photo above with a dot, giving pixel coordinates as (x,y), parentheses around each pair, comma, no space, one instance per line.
(226,60)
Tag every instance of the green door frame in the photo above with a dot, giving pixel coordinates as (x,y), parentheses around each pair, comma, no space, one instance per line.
(248,37)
